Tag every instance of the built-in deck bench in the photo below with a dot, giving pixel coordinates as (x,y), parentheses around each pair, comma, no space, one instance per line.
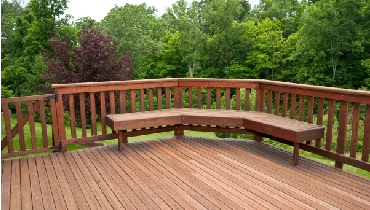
(180,119)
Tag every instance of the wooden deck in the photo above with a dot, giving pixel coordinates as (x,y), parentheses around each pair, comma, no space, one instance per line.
(179,173)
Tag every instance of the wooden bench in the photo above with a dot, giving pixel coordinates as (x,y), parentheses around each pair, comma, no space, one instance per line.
(178,120)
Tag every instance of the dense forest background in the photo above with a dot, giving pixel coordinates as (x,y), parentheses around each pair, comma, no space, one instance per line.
(319,42)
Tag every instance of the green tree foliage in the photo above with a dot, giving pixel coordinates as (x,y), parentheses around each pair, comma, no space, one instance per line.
(321,42)
(137,30)
(22,61)
(332,43)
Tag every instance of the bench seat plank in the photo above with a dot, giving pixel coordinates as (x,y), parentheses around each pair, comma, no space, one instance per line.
(281,127)
(143,119)
(260,123)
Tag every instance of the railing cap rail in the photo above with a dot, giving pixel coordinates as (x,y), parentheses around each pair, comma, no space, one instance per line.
(318,88)
(107,83)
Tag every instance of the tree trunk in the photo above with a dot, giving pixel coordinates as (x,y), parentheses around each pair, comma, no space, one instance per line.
(191,70)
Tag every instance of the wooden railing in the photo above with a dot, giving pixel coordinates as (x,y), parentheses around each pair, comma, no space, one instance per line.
(313,104)
(25,109)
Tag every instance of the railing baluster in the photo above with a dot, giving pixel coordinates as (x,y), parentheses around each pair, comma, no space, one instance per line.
(43,124)
(310,109)
(93,114)
(320,116)
(277,102)
(237,99)
(227,97)
(293,105)
(8,127)
(72,115)
(18,110)
(31,117)
(310,112)
(178,99)
(218,98)
(168,98)
(199,98)
(103,113)
(269,101)
(142,99)
(82,113)
(133,100)
(122,101)
(208,97)
(329,127)
(112,102)
(301,107)
(342,130)
(159,98)
(151,107)
(190,94)
(247,99)
(355,125)
(366,141)
(285,104)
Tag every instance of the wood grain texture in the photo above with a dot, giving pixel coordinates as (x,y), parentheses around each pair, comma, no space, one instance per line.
(180,173)
(329,127)
(18,110)
(72,121)
(94,130)
(31,119)
(83,115)
(293,105)
(366,141)
(355,126)
(320,118)
(103,113)
(237,99)
(342,130)
(277,103)
(190,94)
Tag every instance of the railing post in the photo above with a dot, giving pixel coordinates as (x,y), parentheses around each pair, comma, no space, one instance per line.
(342,131)
(60,120)
(260,103)
(177,92)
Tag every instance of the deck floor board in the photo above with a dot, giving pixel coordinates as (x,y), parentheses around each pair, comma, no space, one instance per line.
(179,173)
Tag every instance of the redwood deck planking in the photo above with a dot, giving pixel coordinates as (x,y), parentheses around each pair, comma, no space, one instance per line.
(179,173)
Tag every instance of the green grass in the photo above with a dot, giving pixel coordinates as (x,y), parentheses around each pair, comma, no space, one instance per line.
(27,135)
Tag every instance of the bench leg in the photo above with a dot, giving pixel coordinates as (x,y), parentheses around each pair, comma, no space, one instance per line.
(122,139)
(178,132)
(296,154)
(258,138)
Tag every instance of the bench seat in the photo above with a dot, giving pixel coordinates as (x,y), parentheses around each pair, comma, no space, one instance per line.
(260,123)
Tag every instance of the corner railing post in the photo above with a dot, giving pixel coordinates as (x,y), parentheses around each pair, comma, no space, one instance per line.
(60,120)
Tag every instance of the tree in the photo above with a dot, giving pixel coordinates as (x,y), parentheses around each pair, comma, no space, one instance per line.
(288,12)
(185,23)
(332,43)
(137,30)
(94,59)
(267,56)
(22,62)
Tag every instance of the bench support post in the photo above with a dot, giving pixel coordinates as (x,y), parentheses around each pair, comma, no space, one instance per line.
(122,139)
(296,154)
(258,138)
(178,132)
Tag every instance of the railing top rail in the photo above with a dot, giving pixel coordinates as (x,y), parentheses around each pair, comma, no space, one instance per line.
(108,83)
(318,88)
(319,91)
(25,98)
